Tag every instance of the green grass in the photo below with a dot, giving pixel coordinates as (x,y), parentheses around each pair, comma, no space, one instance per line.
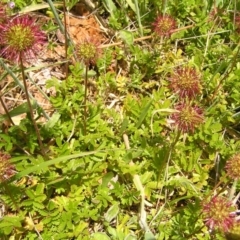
(119,163)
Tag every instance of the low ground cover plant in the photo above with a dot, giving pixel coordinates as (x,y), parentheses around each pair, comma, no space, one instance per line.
(119,120)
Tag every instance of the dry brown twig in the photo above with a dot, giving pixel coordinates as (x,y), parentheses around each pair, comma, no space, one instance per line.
(141,38)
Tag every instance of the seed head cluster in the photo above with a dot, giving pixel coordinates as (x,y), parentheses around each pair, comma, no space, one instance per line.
(6,168)
(218,214)
(164,25)
(185,81)
(88,51)
(233,167)
(21,37)
(188,117)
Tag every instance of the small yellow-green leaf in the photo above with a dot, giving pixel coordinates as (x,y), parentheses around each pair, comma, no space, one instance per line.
(149,236)
(126,36)
(98,236)
(130,237)
(112,212)
(52,121)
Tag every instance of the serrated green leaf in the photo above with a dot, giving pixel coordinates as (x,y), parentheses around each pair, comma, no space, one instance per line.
(43,212)
(10,221)
(38,205)
(40,198)
(27,202)
(30,193)
(40,188)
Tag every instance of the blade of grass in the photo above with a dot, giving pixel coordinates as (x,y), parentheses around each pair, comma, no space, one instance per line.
(36,7)
(38,88)
(143,114)
(51,162)
(21,109)
(61,27)
(58,160)
(20,85)
(59,22)
(138,17)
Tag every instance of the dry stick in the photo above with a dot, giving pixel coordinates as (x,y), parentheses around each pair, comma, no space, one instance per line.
(65,37)
(35,228)
(6,110)
(31,110)
(142,38)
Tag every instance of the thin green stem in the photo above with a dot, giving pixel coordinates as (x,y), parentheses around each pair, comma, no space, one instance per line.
(85,100)
(65,37)
(31,109)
